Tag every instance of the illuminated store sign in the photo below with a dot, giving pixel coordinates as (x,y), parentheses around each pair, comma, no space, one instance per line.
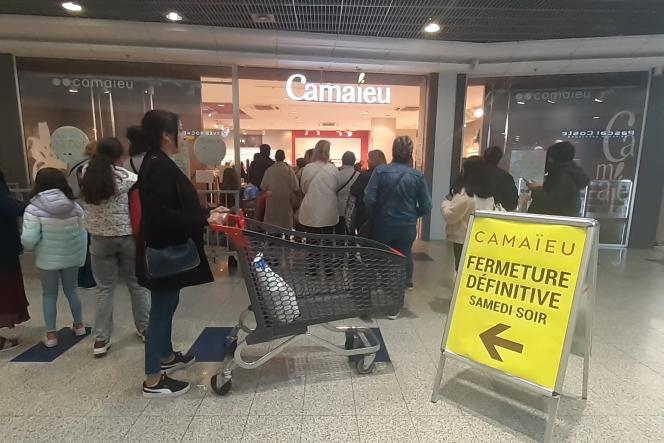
(331,93)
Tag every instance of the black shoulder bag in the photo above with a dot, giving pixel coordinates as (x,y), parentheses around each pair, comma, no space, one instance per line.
(367,229)
(174,259)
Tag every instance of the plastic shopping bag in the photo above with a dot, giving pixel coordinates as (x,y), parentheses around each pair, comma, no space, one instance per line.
(277,295)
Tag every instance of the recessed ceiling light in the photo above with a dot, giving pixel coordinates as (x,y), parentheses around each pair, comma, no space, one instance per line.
(73,90)
(595,117)
(479,112)
(551,101)
(432,27)
(209,115)
(599,100)
(220,105)
(173,16)
(520,103)
(73,7)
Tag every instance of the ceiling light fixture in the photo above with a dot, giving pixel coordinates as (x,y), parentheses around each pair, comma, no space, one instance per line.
(479,112)
(350,133)
(73,7)
(432,27)
(209,115)
(173,16)
(599,100)
(73,90)
(551,101)
(596,117)
(520,103)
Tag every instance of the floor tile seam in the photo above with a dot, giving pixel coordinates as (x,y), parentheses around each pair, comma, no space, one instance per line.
(184,434)
(244,427)
(258,382)
(133,423)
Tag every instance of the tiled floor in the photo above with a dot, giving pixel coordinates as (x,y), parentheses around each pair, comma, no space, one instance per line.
(310,395)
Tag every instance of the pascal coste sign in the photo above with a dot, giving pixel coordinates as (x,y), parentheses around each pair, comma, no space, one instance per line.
(331,93)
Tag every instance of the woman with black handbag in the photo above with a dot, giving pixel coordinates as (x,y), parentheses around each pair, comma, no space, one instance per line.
(170,254)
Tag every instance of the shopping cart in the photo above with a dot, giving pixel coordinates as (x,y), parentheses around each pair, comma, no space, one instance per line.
(297,280)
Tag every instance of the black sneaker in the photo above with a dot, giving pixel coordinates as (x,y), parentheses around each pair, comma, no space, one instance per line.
(179,362)
(167,387)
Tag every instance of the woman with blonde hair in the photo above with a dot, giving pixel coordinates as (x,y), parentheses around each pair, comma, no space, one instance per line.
(318,213)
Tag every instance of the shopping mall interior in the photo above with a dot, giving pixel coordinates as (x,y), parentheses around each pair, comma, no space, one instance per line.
(537,321)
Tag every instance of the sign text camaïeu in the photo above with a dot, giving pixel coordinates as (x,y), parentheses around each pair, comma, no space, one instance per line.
(514,299)
(331,93)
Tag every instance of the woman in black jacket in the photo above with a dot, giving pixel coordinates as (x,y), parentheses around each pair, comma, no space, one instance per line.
(171,215)
(560,193)
(13,303)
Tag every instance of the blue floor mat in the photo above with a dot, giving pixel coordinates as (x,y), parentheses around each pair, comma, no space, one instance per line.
(41,354)
(210,346)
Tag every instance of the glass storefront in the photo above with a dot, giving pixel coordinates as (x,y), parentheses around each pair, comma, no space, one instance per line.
(602,115)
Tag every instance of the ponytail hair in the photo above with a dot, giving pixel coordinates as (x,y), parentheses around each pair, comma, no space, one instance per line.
(148,135)
(99,182)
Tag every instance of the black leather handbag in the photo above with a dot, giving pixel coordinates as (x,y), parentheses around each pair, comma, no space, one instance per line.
(173,259)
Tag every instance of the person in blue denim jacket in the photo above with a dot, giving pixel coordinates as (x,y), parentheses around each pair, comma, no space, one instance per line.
(396,196)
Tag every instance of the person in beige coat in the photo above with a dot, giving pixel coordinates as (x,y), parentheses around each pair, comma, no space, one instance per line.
(280,180)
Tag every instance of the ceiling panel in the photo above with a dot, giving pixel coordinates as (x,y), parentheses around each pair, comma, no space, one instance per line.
(462,20)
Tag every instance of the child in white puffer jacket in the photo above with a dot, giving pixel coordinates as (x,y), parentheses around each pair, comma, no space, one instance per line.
(53,228)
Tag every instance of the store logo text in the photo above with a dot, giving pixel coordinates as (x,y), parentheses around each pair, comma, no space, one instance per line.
(94,82)
(331,93)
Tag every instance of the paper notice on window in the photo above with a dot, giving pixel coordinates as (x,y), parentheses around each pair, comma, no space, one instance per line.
(528,165)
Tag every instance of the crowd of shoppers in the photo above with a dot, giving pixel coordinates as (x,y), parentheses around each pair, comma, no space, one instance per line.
(158,250)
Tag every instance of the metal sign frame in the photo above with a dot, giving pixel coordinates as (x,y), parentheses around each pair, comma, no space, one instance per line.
(587,279)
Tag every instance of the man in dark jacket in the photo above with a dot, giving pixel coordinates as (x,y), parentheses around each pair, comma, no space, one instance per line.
(259,166)
(504,188)
(560,193)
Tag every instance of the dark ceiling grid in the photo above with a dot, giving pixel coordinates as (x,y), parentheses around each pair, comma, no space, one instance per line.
(462,20)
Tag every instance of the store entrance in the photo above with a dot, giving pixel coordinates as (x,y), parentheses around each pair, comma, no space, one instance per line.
(293,110)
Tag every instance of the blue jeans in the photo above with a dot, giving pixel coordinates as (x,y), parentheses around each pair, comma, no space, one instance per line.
(50,287)
(158,344)
(400,238)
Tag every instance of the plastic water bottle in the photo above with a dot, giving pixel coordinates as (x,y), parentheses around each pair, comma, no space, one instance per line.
(277,295)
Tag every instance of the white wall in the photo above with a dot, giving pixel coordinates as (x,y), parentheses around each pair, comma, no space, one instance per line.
(277,139)
(442,161)
(338,146)
(383,132)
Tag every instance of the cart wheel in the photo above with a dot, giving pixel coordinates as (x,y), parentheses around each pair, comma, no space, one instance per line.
(222,390)
(361,369)
(231,346)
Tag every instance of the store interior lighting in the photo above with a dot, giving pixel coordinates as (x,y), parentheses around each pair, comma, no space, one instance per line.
(174,16)
(432,27)
(478,113)
(73,7)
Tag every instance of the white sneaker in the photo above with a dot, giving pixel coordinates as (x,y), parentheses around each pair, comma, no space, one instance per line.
(80,332)
(50,342)
(393,316)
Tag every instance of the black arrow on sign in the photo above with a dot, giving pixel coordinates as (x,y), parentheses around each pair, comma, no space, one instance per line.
(490,340)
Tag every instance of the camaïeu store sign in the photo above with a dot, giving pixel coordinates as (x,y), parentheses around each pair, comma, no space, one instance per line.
(334,93)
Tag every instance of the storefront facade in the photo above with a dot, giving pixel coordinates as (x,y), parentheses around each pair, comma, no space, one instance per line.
(603,115)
